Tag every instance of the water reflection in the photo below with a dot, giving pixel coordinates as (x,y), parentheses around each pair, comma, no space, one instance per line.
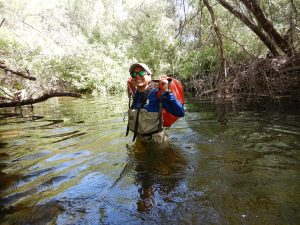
(222,119)
(158,171)
(70,159)
(40,214)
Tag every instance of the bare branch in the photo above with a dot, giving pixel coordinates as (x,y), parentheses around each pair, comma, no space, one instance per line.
(44,97)
(267,26)
(235,41)
(186,21)
(263,37)
(17,72)
(5,93)
(217,31)
(2,22)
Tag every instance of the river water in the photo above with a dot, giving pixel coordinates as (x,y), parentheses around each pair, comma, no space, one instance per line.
(68,162)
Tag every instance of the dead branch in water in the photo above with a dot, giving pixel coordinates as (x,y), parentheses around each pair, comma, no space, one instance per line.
(270,79)
(44,97)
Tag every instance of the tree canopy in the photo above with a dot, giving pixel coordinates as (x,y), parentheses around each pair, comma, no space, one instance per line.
(88,46)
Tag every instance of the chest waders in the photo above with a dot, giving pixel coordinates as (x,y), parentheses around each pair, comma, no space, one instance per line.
(141,122)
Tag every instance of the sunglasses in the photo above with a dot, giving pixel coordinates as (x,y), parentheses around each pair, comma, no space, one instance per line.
(140,73)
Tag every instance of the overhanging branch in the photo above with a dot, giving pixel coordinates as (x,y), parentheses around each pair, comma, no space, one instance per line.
(17,72)
(44,97)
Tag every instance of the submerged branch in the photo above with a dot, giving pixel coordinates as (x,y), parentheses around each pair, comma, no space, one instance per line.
(44,97)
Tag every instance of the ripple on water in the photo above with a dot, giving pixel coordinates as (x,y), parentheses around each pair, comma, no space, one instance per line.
(72,155)
(74,165)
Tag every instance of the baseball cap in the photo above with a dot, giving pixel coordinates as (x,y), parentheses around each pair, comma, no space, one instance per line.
(144,66)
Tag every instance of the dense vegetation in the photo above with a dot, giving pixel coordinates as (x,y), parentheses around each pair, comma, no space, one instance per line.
(214,46)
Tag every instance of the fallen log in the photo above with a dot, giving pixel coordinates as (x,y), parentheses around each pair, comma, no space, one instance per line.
(44,97)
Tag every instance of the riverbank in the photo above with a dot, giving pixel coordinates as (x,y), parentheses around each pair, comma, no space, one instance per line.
(262,80)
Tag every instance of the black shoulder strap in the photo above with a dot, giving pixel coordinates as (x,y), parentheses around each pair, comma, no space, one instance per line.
(160,113)
(144,99)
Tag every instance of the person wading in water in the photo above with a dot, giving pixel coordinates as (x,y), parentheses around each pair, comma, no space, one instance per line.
(145,118)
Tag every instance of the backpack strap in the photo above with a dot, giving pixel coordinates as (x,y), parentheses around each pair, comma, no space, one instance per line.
(129,105)
(136,125)
(160,116)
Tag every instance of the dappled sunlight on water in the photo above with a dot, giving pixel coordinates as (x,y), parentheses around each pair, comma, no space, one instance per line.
(69,162)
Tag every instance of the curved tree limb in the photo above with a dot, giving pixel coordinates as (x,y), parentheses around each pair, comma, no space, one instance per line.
(44,97)
(218,33)
(2,22)
(17,72)
(185,21)
(235,41)
(223,73)
(263,37)
(267,26)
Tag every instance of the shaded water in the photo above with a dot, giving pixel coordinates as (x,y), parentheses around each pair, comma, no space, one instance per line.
(68,162)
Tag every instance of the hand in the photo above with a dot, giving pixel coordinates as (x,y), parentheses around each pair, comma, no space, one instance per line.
(163,84)
(131,86)
(129,80)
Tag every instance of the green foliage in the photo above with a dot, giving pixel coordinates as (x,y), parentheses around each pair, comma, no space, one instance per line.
(89,45)
(7,44)
(208,60)
(152,36)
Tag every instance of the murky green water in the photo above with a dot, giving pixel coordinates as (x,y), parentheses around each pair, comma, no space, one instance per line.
(69,162)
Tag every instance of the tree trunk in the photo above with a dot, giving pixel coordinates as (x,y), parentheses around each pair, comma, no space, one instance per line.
(222,74)
(268,27)
(262,36)
(217,31)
